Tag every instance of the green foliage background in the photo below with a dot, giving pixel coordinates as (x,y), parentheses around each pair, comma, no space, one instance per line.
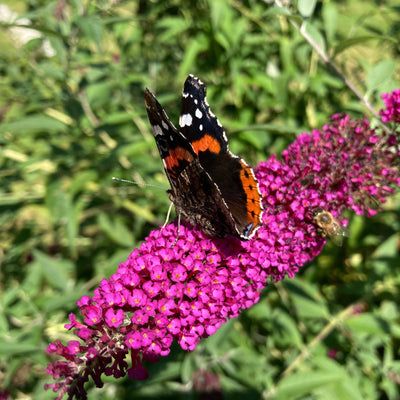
(71,120)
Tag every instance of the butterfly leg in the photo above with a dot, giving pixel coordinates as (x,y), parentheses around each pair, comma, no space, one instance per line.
(177,233)
(179,223)
(168,214)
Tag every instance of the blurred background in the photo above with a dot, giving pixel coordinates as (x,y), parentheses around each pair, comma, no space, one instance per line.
(72,116)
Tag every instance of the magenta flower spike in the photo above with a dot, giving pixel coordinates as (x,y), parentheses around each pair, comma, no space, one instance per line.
(187,291)
(392,103)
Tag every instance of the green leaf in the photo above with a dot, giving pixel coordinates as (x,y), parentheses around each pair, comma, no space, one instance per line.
(57,201)
(286,330)
(55,271)
(72,223)
(306,7)
(92,27)
(81,180)
(302,383)
(195,46)
(33,280)
(308,302)
(52,304)
(367,323)
(345,44)
(99,93)
(172,26)
(109,265)
(330,19)
(141,211)
(347,389)
(388,247)
(315,35)
(65,212)
(34,124)
(386,255)
(272,11)
(8,349)
(115,230)
(117,118)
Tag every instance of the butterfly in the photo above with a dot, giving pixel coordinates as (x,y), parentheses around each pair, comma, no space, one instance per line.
(210,187)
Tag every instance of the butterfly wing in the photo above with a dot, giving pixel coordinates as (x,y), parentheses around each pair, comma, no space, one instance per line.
(175,151)
(233,176)
(195,196)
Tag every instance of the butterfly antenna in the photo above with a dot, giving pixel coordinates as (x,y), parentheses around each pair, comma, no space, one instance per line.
(137,183)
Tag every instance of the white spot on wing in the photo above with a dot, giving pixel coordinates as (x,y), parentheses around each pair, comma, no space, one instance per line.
(157,130)
(184,94)
(185,120)
(164,124)
(198,113)
(201,127)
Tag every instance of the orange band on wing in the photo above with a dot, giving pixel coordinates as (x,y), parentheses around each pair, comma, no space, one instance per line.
(175,155)
(207,142)
(250,187)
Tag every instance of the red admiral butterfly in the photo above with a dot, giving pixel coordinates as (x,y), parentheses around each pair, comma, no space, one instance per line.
(210,186)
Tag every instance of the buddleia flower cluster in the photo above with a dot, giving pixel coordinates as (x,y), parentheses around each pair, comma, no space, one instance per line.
(187,290)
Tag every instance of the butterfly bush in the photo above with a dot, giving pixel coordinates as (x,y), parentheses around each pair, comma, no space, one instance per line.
(185,292)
